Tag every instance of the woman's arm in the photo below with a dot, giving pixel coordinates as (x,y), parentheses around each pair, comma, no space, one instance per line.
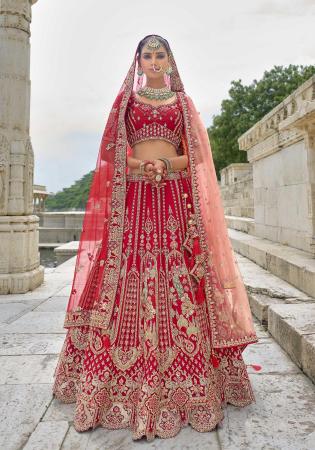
(133,163)
(179,162)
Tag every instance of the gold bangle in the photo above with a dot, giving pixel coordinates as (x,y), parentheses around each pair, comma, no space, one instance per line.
(169,166)
(141,166)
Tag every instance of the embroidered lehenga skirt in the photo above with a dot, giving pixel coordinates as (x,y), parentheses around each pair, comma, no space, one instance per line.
(156,374)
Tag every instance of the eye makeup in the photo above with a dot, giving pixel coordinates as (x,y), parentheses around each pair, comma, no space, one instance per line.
(161,54)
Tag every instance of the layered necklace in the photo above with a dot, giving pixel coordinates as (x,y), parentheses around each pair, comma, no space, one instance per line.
(156,93)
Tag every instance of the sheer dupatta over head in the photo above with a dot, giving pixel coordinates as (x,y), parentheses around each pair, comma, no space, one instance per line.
(102,231)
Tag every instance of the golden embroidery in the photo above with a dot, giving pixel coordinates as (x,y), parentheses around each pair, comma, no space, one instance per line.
(125,359)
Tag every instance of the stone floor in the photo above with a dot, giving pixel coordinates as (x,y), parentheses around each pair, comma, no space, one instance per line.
(31,336)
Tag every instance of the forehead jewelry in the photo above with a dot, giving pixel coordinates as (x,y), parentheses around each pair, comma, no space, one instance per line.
(153,43)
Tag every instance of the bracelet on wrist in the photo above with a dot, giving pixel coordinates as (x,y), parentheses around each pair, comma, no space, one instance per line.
(165,164)
(141,166)
(168,164)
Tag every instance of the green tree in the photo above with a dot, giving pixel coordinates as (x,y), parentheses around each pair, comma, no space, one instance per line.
(248,104)
(73,197)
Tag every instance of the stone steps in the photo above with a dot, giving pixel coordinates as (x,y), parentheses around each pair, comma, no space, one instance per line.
(286,311)
(244,224)
(295,266)
(238,210)
(293,326)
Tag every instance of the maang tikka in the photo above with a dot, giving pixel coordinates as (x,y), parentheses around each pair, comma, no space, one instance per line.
(153,43)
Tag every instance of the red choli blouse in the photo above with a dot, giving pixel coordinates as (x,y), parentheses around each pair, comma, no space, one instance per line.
(144,121)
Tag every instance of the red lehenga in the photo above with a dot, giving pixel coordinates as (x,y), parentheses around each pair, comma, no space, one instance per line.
(158,315)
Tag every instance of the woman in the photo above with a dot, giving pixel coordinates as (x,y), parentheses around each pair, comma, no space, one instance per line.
(158,314)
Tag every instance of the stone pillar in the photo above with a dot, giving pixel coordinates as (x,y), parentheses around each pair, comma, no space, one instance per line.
(20,269)
(281,148)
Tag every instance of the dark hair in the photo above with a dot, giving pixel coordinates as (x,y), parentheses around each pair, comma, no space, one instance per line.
(147,38)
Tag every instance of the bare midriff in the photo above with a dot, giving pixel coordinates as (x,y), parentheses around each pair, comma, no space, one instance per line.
(152,149)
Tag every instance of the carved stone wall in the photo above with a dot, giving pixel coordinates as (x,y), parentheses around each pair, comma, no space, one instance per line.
(236,188)
(281,149)
(20,268)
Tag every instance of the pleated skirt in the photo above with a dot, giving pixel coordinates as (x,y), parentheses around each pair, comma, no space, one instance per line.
(155,374)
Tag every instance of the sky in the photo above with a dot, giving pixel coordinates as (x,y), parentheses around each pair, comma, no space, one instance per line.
(81,52)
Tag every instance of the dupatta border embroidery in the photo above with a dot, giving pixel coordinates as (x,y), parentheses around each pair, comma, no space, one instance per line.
(210,294)
(116,226)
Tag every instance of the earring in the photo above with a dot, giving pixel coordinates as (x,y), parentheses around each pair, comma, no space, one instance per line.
(169,70)
(140,71)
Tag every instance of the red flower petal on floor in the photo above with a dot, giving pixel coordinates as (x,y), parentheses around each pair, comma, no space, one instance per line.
(254,366)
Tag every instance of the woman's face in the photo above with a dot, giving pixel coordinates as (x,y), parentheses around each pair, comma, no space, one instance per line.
(154,63)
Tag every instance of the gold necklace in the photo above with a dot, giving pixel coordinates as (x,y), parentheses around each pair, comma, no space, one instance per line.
(156,93)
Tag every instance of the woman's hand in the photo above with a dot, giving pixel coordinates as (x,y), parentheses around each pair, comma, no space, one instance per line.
(154,167)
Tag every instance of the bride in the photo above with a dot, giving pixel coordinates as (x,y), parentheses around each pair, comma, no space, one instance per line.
(158,315)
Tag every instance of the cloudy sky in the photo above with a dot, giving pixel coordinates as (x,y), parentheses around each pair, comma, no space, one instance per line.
(81,51)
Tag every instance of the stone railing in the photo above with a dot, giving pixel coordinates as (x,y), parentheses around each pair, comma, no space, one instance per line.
(39,196)
(293,111)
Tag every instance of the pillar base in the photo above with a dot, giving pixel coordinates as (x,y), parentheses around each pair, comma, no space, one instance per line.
(20,269)
(20,283)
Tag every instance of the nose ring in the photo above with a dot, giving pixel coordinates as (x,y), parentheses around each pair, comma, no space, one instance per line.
(153,67)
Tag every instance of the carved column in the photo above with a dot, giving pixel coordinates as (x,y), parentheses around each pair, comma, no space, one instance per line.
(20,269)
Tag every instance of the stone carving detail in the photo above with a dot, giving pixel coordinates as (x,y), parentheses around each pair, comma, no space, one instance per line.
(4,171)
(29,176)
(16,14)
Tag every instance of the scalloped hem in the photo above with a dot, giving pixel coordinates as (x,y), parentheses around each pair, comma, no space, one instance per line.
(138,435)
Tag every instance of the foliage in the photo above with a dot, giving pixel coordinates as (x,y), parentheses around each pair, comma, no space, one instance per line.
(248,104)
(71,198)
